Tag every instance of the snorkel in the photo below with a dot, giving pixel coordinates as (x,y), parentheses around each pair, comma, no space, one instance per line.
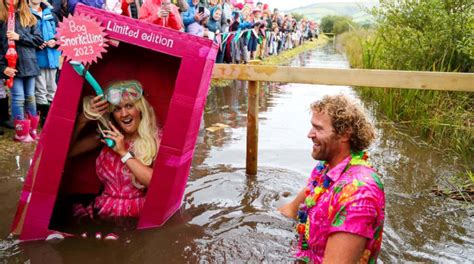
(80,69)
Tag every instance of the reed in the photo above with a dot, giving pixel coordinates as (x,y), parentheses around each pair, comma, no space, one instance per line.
(444,119)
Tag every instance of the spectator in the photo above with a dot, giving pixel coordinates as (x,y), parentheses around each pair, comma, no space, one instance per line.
(48,57)
(189,15)
(227,14)
(194,17)
(27,38)
(223,18)
(161,12)
(131,8)
(59,8)
(214,24)
(199,27)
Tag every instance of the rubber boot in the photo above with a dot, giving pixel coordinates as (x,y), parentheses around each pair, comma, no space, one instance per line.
(34,126)
(22,131)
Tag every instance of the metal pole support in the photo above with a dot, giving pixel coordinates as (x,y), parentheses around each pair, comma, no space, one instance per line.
(252,129)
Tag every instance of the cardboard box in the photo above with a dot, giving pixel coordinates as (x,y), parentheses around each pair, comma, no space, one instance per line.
(175,71)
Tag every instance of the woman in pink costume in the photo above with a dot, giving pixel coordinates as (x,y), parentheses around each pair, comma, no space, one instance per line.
(125,170)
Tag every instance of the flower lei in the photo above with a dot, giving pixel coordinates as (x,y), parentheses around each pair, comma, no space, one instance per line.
(314,192)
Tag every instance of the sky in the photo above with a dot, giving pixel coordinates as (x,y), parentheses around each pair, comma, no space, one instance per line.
(290,4)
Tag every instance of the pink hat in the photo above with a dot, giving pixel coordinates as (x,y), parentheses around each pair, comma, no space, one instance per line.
(249,2)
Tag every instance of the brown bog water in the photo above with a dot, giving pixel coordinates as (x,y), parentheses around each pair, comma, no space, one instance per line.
(227,217)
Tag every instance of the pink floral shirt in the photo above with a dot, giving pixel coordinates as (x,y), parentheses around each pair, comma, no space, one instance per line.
(353,203)
(120,197)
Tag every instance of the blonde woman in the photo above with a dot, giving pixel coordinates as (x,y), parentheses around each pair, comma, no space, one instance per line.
(27,39)
(125,170)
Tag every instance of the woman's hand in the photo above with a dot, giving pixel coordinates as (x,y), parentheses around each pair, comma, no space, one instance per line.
(98,105)
(42,46)
(163,13)
(51,43)
(119,139)
(10,72)
(12,35)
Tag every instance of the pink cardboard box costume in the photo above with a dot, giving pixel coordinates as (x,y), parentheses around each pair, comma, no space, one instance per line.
(175,71)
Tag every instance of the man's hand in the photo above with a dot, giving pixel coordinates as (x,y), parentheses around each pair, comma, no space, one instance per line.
(289,210)
(12,35)
(130,1)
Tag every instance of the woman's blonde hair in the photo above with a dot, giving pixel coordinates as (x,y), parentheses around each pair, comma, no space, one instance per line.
(145,146)
(27,19)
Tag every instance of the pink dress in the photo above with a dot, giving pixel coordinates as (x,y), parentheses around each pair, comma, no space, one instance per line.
(120,198)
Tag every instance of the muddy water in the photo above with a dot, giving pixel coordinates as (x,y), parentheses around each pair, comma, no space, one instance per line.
(228,217)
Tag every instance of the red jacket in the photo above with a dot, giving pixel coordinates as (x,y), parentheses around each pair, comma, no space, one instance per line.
(149,13)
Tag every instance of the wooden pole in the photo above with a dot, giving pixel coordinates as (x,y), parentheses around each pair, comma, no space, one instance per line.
(252,129)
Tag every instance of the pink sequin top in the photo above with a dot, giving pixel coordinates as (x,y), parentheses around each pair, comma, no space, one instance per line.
(354,203)
(120,198)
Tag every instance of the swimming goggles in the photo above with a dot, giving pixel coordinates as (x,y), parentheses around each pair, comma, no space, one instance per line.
(118,91)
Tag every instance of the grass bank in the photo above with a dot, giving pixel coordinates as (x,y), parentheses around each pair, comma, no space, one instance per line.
(445,120)
(281,59)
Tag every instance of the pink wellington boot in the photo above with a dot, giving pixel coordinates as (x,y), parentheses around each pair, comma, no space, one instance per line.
(22,131)
(34,126)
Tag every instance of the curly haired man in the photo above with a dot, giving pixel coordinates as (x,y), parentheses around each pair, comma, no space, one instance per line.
(340,212)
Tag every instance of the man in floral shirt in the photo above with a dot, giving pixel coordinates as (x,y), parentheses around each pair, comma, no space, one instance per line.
(341,210)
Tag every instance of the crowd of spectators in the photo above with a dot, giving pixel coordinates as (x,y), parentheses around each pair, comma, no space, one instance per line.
(244,31)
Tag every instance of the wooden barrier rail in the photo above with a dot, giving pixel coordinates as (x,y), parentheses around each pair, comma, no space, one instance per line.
(441,81)
(445,81)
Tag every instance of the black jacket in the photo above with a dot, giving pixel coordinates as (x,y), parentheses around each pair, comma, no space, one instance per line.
(30,39)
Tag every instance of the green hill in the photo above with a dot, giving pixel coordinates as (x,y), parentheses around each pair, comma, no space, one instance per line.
(320,10)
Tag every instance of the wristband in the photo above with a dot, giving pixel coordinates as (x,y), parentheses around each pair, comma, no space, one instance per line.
(126,157)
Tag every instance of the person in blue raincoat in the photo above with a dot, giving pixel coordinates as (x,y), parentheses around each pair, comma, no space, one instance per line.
(47,55)
(192,15)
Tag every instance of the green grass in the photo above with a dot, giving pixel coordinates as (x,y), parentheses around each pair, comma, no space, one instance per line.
(444,119)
